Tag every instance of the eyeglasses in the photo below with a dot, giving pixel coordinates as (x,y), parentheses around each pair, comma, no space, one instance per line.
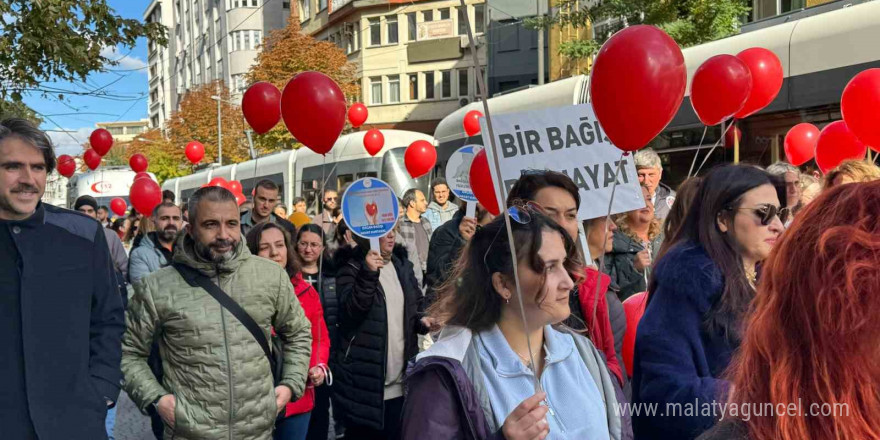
(306,245)
(328,199)
(767,212)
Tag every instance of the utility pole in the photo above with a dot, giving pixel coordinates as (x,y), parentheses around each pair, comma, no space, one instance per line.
(219,131)
(540,44)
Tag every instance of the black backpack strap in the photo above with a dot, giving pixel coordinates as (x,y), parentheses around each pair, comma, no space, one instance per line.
(195,278)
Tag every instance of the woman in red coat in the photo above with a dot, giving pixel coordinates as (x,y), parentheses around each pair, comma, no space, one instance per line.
(268,240)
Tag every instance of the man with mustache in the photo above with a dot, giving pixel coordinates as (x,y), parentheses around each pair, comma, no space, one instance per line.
(217,382)
(61,317)
(156,248)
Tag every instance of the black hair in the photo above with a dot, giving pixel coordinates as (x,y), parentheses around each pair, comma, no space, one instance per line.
(409,196)
(468,297)
(268,184)
(298,200)
(165,205)
(104,208)
(528,185)
(314,229)
(28,132)
(168,195)
(253,243)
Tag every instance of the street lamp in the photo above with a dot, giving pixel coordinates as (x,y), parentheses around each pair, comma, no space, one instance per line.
(219,131)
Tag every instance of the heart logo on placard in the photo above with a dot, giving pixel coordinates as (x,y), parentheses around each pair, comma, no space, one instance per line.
(372,209)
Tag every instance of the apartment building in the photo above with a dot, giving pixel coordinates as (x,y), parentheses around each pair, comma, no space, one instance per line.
(207,40)
(413,57)
(125,131)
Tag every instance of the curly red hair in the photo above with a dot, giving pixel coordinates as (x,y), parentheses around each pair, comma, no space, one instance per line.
(813,334)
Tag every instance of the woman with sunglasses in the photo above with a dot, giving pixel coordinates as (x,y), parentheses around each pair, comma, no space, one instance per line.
(269,241)
(699,293)
(318,273)
(478,380)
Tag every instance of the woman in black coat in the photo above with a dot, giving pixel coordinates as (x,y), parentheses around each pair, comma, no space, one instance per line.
(373,286)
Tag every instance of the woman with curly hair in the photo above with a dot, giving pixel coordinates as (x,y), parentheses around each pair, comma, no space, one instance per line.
(811,342)
(636,243)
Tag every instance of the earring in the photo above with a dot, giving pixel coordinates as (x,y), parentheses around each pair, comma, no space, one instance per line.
(507,300)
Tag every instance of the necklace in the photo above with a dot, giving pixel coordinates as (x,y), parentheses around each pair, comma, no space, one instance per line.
(526,359)
(752,276)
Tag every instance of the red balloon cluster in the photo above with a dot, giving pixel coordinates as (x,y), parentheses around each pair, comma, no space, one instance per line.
(66,165)
(836,144)
(800,143)
(101,141)
(637,85)
(145,195)
(92,159)
(195,151)
(472,122)
(233,186)
(118,206)
(481,183)
(313,108)
(374,140)
(261,105)
(138,163)
(859,105)
(419,158)
(357,114)
(720,88)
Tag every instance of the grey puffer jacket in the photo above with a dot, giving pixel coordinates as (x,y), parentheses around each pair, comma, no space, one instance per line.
(147,258)
(216,370)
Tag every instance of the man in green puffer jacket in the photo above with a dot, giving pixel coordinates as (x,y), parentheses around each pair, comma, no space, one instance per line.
(217,381)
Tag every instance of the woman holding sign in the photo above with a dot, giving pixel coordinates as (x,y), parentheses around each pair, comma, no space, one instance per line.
(476,381)
(378,326)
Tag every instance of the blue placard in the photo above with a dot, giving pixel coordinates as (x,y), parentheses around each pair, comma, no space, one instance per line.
(370,208)
(458,172)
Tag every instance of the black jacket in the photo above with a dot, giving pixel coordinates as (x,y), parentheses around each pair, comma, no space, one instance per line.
(620,264)
(71,324)
(359,372)
(446,244)
(326,288)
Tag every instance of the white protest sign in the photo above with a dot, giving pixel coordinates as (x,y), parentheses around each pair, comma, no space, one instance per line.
(458,170)
(571,141)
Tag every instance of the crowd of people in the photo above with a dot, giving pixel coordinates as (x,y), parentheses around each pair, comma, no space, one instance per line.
(221,321)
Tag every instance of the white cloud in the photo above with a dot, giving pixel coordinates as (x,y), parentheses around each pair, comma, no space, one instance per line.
(126,62)
(71,141)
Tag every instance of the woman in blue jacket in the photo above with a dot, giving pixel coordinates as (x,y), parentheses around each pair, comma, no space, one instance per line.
(699,292)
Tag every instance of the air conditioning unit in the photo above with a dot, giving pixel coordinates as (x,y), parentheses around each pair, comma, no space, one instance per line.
(463,102)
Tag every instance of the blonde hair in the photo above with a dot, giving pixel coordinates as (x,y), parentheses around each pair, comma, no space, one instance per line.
(857,170)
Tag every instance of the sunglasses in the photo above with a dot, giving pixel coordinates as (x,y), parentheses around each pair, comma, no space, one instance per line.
(520,212)
(327,199)
(766,213)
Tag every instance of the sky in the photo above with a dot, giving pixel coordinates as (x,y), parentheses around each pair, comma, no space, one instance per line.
(73,120)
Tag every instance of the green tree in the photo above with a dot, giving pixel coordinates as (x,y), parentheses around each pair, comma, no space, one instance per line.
(688,22)
(60,40)
(10,109)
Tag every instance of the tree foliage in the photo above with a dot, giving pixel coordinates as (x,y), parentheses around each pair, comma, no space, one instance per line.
(287,52)
(60,40)
(18,109)
(688,22)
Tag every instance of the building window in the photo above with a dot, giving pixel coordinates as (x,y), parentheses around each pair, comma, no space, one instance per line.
(391,28)
(446,84)
(258,38)
(462,21)
(255,3)
(322,4)
(413,86)
(480,18)
(463,82)
(393,89)
(411,26)
(429,85)
(247,40)
(376,90)
(375,32)
(305,9)
(444,14)
(427,16)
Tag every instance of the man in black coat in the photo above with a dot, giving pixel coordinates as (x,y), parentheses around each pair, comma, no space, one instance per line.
(61,317)
(446,244)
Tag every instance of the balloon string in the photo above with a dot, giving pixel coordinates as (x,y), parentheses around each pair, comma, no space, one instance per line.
(335,161)
(697,153)
(714,146)
(605,238)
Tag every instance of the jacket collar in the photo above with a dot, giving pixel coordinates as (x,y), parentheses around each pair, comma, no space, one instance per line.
(506,361)
(35,220)
(185,253)
(436,206)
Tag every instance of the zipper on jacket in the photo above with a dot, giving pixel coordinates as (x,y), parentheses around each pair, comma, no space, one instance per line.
(228,360)
(550,409)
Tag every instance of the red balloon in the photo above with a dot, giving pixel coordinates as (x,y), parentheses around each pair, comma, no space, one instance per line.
(118,206)
(859,105)
(472,122)
(637,85)
(313,108)
(195,151)
(729,140)
(766,79)
(145,195)
(800,143)
(92,159)
(138,163)
(419,158)
(101,141)
(142,175)
(66,165)
(239,198)
(374,141)
(219,181)
(481,183)
(719,89)
(234,186)
(357,114)
(836,144)
(261,105)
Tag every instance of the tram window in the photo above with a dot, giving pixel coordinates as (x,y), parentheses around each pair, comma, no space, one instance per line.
(344,179)
(311,196)
(367,174)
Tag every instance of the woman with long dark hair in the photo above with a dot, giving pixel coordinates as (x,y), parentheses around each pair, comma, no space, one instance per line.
(699,293)
(268,240)
(812,335)
(478,380)
(685,195)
